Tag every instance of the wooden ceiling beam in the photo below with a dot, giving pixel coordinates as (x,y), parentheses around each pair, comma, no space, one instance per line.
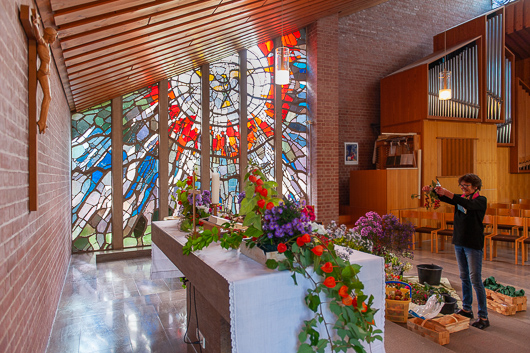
(154,68)
(118,52)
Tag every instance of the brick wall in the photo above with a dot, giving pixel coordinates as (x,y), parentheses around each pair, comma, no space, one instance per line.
(374,43)
(34,246)
(323,102)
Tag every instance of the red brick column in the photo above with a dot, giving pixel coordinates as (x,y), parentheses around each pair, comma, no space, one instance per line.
(323,103)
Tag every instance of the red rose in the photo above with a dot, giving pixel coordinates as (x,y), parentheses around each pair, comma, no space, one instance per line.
(263,192)
(328,268)
(343,291)
(180,202)
(282,247)
(299,241)
(330,282)
(306,238)
(259,181)
(270,205)
(347,300)
(318,250)
(252,178)
(258,189)
(261,203)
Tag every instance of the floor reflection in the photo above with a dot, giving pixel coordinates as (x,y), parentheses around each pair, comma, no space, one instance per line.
(116,307)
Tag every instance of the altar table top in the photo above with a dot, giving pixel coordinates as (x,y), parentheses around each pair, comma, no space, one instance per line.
(264,307)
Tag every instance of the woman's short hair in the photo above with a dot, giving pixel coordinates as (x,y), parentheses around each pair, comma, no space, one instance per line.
(473,179)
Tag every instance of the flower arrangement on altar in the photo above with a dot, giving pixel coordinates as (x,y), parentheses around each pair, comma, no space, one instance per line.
(288,227)
(184,199)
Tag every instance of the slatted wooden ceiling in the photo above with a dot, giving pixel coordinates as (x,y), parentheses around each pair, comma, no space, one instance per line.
(112,47)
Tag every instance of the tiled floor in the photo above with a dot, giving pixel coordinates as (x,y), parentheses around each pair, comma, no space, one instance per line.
(115,307)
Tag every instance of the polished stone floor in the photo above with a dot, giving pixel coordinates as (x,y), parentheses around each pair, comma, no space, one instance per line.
(115,307)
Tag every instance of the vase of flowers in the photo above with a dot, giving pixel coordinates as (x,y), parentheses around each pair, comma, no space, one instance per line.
(184,200)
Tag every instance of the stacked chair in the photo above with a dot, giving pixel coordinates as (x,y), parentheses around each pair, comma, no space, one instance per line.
(515,225)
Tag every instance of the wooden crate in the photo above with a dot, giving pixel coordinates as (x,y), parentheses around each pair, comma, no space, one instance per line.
(453,323)
(429,329)
(501,307)
(519,302)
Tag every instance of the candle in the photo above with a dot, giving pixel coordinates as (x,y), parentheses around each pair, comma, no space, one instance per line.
(215,188)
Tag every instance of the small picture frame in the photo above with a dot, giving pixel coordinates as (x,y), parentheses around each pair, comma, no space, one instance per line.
(351,153)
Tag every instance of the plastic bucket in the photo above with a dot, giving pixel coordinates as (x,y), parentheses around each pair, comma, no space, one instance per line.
(432,274)
(449,306)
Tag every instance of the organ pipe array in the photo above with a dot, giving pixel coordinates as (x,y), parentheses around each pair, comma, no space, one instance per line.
(465,103)
(494,58)
(504,130)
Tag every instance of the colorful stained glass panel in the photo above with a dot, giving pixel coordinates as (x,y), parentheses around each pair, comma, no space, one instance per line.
(140,165)
(260,107)
(91,179)
(294,116)
(224,128)
(184,129)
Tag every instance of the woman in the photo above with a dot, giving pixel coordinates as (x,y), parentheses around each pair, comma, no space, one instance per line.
(468,239)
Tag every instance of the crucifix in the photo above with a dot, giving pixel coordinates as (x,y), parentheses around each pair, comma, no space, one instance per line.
(37,44)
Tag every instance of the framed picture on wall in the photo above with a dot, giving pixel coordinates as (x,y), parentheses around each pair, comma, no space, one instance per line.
(351,153)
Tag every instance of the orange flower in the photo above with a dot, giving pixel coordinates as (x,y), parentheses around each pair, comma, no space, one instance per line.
(328,268)
(330,282)
(270,206)
(365,307)
(299,241)
(347,300)
(306,238)
(343,291)
(318,250)
(252,179)
(259,181)
(261,203)
(282,248)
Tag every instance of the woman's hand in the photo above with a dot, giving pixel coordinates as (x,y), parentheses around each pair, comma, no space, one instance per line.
(442,191)
(426,188)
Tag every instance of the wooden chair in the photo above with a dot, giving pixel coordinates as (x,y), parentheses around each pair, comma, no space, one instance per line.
(524,201)
(493,238)
(499,205)
(412,216)
(445,231)
(417,218)
(490,226)
(521,206)
(523,242)
(430,222)
(510,212)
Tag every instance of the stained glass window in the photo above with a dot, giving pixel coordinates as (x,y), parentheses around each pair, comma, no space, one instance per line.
(140,165)
(91,179)
(294,117)
(224,128)
(184,128)
(260,107)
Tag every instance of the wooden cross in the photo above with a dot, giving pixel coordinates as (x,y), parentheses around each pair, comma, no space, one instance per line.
(25,18)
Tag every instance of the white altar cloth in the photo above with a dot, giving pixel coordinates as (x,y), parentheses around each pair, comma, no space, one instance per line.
(266,308)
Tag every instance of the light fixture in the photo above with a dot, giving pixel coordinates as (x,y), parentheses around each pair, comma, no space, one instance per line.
(445,77)
(281,67)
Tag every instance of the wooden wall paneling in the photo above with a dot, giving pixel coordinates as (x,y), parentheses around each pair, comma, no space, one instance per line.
(401,184)
(518,18)
(483,135)
(367,192)
(509,18)
(404,97)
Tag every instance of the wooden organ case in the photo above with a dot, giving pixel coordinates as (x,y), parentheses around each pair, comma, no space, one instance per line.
(483,59)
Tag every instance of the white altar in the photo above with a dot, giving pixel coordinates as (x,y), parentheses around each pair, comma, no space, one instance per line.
(263,308)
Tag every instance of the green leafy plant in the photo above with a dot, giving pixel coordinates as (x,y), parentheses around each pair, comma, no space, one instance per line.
(337,279)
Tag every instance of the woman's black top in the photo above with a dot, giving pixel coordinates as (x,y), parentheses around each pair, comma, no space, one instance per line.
(469,214)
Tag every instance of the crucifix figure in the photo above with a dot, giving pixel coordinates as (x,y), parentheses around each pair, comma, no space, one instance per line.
(43,75)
